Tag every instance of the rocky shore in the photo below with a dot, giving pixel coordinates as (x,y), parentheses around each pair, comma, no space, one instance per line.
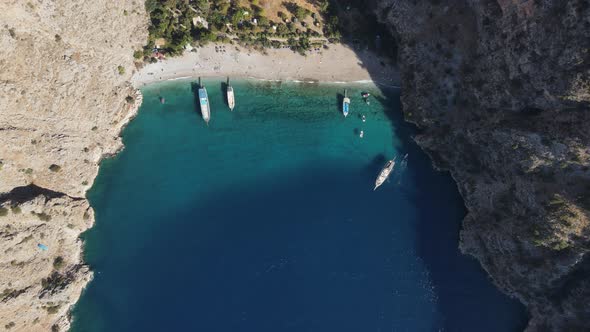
(64,98)
(500,90)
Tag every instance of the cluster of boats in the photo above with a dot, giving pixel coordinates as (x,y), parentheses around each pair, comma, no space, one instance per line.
(204,100)
(231,102)
(346,102)
(390,164)
(346,107)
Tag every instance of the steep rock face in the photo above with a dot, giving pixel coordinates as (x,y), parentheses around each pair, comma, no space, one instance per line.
(501,91)
(63,101)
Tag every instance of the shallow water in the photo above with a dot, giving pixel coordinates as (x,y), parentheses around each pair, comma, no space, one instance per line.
(266,220)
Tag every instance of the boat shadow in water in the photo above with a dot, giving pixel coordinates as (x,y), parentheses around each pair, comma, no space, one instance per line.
(223,87)
(195,88)
(339,101)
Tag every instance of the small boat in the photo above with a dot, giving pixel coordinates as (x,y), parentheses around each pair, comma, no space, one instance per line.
(365,96)
(204,103)
(361,134)
(231,102)
(162,100)
(364,119)
(384,174)
(345,104)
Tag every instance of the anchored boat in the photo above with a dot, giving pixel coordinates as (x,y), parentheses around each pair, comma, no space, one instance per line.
(345,104)
(365,96)
(384,174)
(204,103)
(231,102)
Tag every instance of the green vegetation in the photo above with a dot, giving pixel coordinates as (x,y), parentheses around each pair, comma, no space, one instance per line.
(176,24)
(560,245)
(299,12)
(54,168)
(52,309)
(58,262)
(3,211)
(9,325)
(121,70)
(18,264)
(29,171)
(15,209)
(10,293)
(129,99)
(42,216)
(84,183)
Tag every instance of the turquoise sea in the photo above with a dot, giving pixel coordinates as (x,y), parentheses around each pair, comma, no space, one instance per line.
(266,221)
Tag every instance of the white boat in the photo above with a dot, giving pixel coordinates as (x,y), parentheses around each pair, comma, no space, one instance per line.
(364,119)
(204,103)
(362,133)
(345,104)
(231,102)
(384,174)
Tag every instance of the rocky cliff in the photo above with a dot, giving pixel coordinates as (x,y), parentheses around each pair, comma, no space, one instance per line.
(63,101)
(501,92)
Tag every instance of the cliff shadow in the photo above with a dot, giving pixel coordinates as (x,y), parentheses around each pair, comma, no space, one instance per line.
(466,297)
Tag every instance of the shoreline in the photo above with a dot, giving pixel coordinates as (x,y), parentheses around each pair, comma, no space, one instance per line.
(252,78)
(338,64)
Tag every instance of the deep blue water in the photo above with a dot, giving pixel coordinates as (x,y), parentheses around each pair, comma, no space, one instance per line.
(266,221)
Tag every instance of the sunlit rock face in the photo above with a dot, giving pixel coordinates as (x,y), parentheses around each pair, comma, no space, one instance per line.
(63,102)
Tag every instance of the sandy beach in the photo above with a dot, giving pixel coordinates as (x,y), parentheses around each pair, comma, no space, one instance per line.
(339,63)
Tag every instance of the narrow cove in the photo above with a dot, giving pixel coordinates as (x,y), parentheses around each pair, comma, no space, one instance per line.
(266,221)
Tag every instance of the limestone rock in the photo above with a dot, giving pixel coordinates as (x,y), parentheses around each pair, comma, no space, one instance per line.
(62,107)
(500,90)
